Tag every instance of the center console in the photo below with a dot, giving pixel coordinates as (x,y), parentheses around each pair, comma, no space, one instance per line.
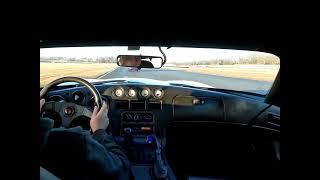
(144,149)
(138,122)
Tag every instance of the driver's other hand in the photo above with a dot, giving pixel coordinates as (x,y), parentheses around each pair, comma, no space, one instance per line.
(42,101)
(99,118)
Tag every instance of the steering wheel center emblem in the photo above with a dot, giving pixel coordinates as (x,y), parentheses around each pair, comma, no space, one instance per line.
(69,111)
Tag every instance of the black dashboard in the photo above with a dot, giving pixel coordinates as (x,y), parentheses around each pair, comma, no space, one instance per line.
(148,119)
(147,109)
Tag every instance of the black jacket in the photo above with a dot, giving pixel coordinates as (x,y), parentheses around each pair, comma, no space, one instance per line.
(76,154)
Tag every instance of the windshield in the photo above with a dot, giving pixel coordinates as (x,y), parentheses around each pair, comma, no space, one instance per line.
(248,71)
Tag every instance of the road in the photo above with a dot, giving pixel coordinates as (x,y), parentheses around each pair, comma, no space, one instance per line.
(221,82)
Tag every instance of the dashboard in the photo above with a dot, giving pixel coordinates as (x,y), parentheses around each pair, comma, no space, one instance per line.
(149,109)
(144,118)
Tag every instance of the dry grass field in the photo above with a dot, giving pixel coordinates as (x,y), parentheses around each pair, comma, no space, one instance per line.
(52,71)
(253,72)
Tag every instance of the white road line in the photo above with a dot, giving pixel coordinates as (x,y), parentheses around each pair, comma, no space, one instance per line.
(107,73)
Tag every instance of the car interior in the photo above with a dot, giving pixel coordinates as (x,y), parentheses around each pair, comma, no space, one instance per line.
(177,132)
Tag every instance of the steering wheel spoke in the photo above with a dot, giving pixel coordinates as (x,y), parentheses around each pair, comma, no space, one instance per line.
(71,111)
(67,111)
(52,106)
(66,121)
(86,112)
(81,111)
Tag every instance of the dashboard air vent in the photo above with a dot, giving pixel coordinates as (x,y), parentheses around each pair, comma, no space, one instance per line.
(122,104)
(155,105)
(138,105)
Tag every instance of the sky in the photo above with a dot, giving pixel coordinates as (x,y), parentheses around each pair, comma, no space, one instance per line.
(174,54)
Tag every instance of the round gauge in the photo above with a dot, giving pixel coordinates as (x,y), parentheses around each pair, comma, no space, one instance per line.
(131,92)
(158,93)
(118,92)
(77,97)
(145,93)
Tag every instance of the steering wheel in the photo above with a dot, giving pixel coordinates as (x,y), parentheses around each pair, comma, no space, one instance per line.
(69,111)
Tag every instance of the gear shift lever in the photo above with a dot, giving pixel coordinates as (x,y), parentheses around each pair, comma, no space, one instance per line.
(128,136)
(128,143)
(160,169)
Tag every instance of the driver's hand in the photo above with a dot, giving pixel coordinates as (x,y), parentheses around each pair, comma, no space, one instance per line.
(42,101)
(99,118)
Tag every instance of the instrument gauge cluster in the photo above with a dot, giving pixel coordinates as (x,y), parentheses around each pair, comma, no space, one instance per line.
(137,93)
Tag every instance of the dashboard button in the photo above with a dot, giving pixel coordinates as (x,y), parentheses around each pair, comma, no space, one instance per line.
(147,117)
(137,117)
(128,117)
(127,130)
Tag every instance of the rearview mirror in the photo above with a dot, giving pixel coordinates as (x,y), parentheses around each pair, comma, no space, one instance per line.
(139,61)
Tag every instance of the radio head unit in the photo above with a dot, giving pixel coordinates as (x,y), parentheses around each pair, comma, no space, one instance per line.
(137,123)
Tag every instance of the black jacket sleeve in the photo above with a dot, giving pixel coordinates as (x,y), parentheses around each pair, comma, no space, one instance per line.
(76,154)
(108,158)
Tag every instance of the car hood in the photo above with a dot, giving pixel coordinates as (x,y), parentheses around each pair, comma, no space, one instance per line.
(144,81)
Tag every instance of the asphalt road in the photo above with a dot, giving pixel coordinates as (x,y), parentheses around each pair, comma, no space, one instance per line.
(260,87)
